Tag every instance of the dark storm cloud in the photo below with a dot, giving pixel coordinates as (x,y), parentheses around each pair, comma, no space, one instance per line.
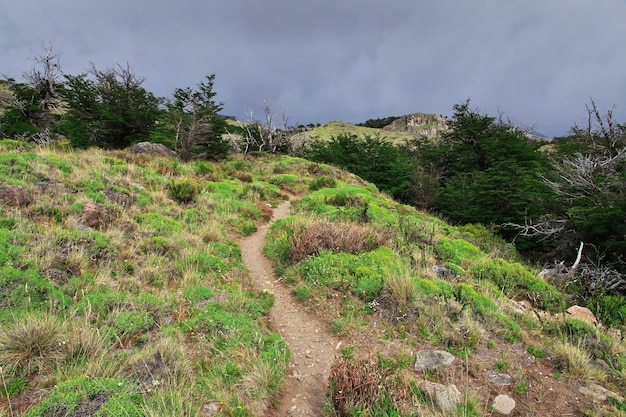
(540,61)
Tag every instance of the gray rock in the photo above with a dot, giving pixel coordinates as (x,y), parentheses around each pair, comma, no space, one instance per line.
(118,197)
(430,359)
(210,409)
(51,186)
(503,404)
(598,393)
(444,397)
(444,272)
(499,378)
(147,147)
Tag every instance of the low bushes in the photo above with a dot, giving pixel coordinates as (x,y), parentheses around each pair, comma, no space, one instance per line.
(515,281)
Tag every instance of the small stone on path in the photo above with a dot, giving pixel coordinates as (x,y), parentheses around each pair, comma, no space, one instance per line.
(499,378)
(503,404)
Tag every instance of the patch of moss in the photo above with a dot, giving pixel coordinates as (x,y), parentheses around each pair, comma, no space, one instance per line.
(516,281)
(457,251)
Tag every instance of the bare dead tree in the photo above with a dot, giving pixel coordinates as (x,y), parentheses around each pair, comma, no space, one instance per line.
(44,76)
(545,228)
(593,177)
(265,135)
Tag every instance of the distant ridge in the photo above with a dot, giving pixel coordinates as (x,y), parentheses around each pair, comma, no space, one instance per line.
(419,124)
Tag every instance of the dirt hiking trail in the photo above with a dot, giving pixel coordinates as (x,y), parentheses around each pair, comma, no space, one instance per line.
(312,346)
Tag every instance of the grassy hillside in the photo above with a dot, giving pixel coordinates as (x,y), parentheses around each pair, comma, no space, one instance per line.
(337,128)
(123,292)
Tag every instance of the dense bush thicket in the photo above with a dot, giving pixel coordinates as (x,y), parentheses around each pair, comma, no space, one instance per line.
(372,158)
(379,123)
(547,197)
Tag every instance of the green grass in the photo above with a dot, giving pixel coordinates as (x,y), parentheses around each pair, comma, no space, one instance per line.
(335,128)
(161,294)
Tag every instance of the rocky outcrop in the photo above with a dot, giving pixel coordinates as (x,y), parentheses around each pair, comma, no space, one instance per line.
(500,378)
(14,195)
(96,216)
(445,398)
(148,147)
(118,197)
(51,187)
(582,313)
(421,124)
(598,393)
(430,359)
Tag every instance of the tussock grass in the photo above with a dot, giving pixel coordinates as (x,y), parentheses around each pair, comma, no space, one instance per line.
(167,404)
(399,293)
(318,234)
(576,362)
(259,385)
(34,342)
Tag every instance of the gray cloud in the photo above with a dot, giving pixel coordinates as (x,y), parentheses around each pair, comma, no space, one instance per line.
(539,61)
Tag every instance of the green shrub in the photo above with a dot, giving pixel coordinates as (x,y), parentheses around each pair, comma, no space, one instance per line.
(27,289)
(536,352)
(109,396)
(99,302)
(17,168)
(156,244)
(183,190)
(11,243)
(487,309)
(198,293)
(158,223)
(284,179)
(128,322)
(322,182)
(302,292)
(433,287)
(363,274)
(204,263)
(203,167)
(609,309)
(515,281)
(457,251)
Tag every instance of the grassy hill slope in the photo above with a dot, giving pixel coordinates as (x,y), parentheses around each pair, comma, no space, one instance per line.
(122,291)
(337,128)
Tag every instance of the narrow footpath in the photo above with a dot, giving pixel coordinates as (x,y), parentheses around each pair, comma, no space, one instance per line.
(312,346)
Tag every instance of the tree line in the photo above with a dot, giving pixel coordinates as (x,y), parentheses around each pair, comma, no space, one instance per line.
(110,108)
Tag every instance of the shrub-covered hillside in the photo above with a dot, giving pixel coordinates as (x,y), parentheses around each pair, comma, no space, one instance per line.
(123,292)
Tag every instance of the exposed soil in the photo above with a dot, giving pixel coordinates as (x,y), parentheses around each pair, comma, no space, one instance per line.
(312,346)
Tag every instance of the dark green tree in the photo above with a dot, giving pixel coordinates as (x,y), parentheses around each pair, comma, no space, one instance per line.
(488,171)
(192,118)
(108,108)
(20,115)
(29,113)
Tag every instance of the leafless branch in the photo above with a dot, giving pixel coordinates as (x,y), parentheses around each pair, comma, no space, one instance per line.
(44,75)
(546,228)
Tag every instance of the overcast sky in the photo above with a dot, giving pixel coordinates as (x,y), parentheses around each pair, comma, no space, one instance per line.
(538,61)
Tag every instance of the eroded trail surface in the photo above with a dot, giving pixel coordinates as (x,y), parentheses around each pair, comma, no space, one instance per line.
(312,346)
